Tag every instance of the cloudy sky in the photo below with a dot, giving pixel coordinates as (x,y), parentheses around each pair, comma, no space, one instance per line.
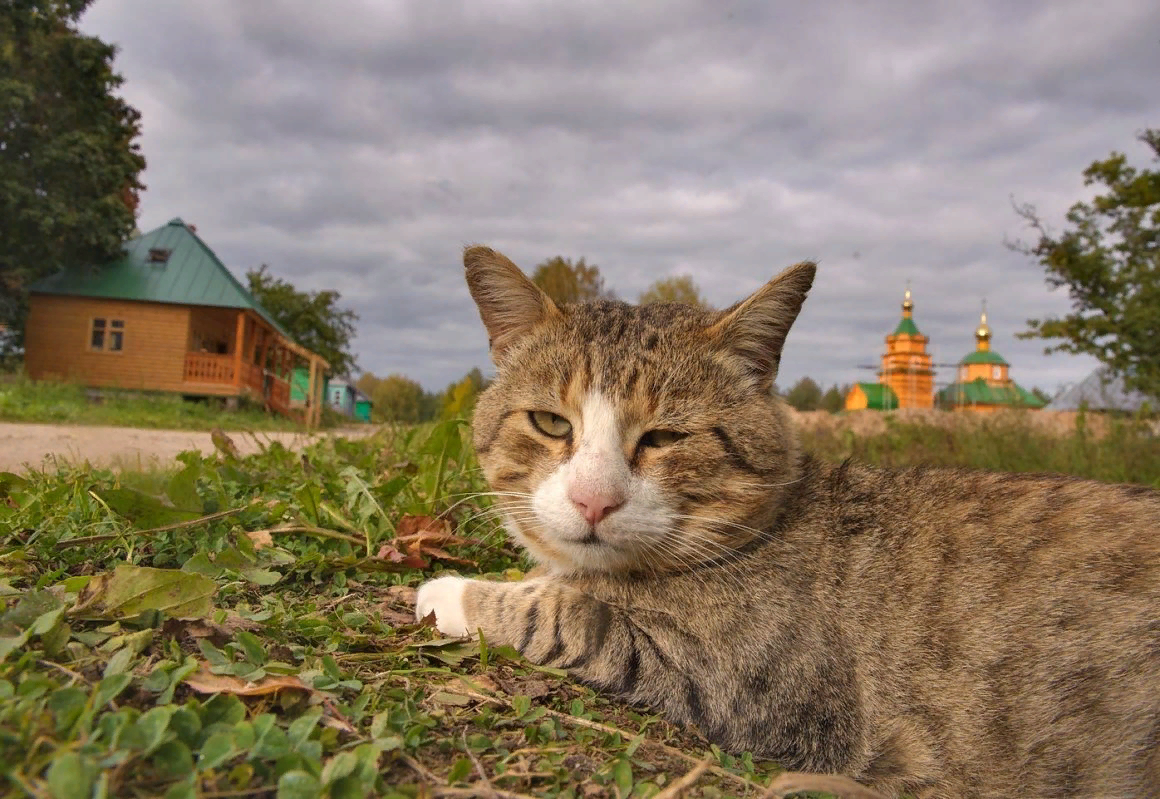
(359,144)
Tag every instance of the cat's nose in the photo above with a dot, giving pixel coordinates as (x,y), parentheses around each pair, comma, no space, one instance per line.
(595,505)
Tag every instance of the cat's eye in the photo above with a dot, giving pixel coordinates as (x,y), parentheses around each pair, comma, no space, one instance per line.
(550,424)
(660,438)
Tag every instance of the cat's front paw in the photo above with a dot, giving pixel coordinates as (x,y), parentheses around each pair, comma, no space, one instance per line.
(444,596)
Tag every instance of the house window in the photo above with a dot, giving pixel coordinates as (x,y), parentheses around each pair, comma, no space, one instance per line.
(996,372)
(108,335)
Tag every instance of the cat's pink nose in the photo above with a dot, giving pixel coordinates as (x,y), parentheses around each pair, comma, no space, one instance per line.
(595,505)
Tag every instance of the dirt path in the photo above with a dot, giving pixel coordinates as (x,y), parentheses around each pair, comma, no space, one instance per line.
(23,445)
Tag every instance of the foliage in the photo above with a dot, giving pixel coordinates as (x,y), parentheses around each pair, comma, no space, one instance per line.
(313,318)
(396,398)
(23,400)
(565,281)
(459,398)
(834,400)
(674,289)
(805,395)
(244,627)
(1116,450)
(1109,261)
(69,160)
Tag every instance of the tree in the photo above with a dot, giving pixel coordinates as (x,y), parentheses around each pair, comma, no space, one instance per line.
(312,318)
(674,289)
(806,395)
(565,281)
(397,399)
(834,400)
(459,398)
(69,160)
(1108,258)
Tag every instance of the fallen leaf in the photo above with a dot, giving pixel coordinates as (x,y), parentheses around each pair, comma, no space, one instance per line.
(403,594)
(129,590)
(205,682)
(261,538)
(429,526)
(397,618)
(389,553)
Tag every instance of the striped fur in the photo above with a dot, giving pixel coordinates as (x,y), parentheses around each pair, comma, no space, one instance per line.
(940,632)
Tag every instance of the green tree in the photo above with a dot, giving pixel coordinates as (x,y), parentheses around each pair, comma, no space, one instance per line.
(313,318)
(674,289)
(565,281)
(1108,258)
(459,398)
(834,400)
(69,160)
(396,398)
(805,395)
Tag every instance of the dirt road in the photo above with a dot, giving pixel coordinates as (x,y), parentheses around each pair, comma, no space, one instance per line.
(23,445)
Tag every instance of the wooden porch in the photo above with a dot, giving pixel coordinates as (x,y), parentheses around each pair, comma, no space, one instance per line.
(253,360)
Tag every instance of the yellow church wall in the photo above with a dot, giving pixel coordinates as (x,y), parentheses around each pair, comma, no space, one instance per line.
(856,399)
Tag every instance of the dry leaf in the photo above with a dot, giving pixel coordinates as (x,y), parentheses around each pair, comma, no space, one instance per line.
(429,526)
(402,594)
(205,682)
(397,618)
(261,538)
(388,552)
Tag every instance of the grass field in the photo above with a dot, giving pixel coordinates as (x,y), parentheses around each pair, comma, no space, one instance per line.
(243,628)
(23,400)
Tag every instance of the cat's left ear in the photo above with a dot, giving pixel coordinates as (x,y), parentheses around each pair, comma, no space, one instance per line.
(754,330)
(509,304)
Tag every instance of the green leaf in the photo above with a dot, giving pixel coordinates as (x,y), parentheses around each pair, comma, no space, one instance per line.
(173,759)
(109,689)
(120,662)
(251,646)
(298,785)
(217,750)
(130,590)
(622,774)
(143,510)
(301,727)
(182,489)
(153,726)
(71,776)
(341,765)
(459,770)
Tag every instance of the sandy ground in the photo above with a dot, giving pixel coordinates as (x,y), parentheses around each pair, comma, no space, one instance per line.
(23,445)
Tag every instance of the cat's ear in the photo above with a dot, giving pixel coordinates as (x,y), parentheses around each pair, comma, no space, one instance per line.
(509,304)
(754,330)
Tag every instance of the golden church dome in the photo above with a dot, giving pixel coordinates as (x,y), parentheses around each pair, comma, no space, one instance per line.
(983,331)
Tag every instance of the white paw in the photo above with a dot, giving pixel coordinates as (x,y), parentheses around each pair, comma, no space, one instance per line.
(444,595)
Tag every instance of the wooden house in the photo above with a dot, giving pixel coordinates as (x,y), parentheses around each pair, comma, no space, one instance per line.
(906,378)
(166,316)
(984,380)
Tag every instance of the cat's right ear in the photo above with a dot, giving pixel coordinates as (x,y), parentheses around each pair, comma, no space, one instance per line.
(509,304)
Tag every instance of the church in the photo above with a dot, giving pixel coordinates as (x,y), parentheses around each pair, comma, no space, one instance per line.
(906,377)
(983,382)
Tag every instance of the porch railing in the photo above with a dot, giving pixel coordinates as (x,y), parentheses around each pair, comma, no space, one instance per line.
(202,367)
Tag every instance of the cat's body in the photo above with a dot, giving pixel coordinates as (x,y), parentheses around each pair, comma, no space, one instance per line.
(943,632)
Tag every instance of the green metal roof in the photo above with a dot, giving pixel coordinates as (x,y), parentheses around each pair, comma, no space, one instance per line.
(984,356)
(906,325)
(879,396)
(191,274)
(979,392)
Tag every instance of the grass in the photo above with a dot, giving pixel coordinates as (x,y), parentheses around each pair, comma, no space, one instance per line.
(48,402)
(1117,450)
(243,628)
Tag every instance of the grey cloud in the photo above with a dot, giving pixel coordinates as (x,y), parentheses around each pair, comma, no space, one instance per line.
(359,146)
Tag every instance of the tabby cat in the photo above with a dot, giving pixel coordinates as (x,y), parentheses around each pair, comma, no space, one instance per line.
(939,632)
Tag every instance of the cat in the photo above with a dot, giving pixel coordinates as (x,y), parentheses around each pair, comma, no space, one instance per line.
(939,632)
